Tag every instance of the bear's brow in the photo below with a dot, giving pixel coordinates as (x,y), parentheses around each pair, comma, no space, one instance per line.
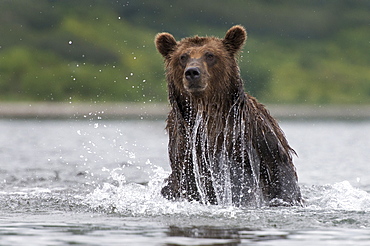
(198,41)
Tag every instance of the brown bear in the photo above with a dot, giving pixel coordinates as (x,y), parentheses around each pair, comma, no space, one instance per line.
(224,147)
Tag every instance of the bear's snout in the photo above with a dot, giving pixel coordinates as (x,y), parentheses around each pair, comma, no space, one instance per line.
(194,79)
(192,74)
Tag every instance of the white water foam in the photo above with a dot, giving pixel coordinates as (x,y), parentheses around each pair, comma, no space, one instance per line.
(339,196)
(132,199)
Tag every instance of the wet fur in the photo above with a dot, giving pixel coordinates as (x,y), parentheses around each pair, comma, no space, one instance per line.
(224,146)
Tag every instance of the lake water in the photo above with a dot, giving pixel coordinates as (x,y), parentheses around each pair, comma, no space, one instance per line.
(97,182)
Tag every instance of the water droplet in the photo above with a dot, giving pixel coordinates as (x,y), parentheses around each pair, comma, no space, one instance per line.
(131,155)
(70,42)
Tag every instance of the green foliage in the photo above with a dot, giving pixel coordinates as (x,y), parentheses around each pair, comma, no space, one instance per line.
(91,57)
(311,51)
(330,71)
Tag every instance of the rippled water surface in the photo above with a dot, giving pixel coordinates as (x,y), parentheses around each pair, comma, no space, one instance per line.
(97,182)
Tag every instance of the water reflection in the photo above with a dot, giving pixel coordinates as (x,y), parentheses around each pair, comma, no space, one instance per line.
(208,235)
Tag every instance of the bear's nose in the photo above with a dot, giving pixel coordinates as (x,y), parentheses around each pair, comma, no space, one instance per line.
(192,74)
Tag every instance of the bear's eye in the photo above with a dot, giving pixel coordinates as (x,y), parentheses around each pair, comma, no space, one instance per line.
(210,58)
(183,58)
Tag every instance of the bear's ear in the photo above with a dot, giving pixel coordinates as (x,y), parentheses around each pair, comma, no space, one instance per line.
(234,39)
(165,43)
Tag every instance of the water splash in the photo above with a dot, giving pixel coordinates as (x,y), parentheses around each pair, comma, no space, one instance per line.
(338,196)
(137,200)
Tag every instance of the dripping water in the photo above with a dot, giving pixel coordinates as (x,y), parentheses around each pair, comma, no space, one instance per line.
(197,170)
(227,156)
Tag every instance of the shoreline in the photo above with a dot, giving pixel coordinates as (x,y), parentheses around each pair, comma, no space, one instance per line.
(41,110)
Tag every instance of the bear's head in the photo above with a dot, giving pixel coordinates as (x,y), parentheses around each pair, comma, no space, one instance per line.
(200,66)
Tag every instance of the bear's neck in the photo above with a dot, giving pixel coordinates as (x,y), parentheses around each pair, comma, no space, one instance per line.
(216,108)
